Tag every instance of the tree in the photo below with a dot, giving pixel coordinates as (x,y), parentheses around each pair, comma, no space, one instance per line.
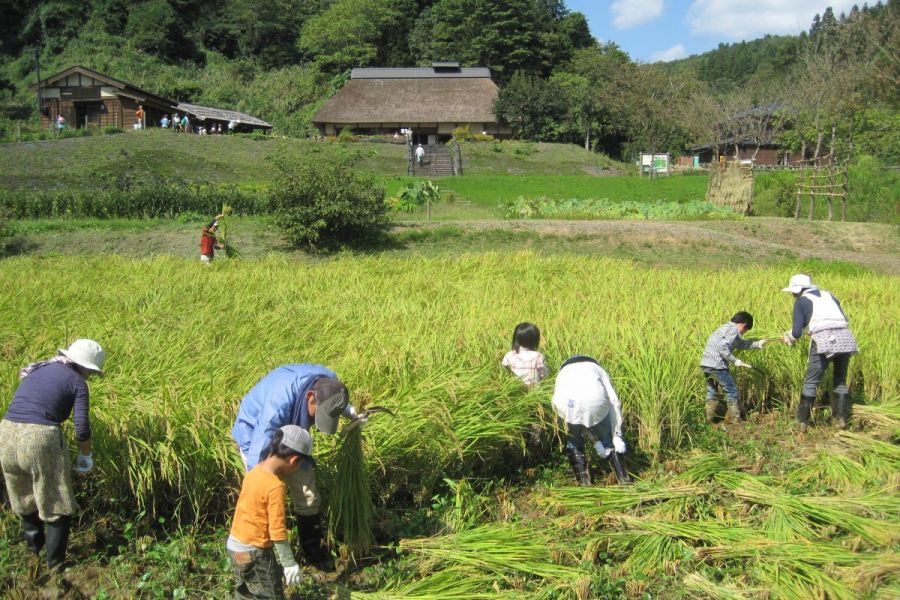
(156,28)
(323,205)
(532,107)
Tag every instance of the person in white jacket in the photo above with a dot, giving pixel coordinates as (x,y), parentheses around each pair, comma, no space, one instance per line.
(585,400)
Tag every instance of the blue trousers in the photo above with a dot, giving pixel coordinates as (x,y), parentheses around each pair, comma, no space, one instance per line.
(716,378)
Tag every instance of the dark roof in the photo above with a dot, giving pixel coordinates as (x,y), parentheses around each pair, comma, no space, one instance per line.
(220,114)
(438,70)
(412,100)
(112,81)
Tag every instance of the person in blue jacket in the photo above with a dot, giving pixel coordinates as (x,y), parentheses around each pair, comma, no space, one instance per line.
(303,395)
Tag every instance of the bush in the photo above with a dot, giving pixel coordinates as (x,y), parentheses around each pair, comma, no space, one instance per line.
(323,206)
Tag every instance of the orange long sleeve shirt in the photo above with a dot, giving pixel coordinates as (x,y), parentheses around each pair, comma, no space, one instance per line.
(259,518)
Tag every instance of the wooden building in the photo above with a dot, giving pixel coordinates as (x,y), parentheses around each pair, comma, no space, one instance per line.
(86,98)
(431,102)
(205,116)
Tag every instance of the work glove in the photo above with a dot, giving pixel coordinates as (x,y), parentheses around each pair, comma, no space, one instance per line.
(292,575)
(619,445)
(84,463)
(602,450)
(740,363)
(789,339)
(760,344)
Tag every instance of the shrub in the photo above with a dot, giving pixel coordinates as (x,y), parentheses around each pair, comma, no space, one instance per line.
(416,195)
(323,206)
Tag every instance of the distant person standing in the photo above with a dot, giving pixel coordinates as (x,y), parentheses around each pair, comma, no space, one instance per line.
(164,122)
(208,240)
(832,342)
(420,155)
(33,452)
(60,122)
(139,117)
(185,123)
(232,126)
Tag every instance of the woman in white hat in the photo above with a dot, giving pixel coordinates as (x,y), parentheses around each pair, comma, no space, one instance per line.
(832,342)
(33,451)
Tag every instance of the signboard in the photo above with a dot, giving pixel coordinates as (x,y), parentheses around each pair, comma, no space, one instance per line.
(658,163)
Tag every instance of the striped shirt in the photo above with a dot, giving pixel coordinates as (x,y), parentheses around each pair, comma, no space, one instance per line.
(720,347)
(527,365)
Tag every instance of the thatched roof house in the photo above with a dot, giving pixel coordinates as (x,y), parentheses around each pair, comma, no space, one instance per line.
(431,102)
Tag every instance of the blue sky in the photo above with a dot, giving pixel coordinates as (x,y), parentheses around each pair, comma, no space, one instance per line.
(653,30)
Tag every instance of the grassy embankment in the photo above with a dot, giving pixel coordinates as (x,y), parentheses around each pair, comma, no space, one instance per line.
(423,337)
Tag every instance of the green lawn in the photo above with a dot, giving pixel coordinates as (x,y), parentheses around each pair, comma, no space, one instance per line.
(489,190)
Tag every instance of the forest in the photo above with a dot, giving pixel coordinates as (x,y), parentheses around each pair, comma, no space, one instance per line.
(830,89)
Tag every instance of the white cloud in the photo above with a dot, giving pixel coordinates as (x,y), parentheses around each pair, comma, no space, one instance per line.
(674,53)
(630,13)
(749,19)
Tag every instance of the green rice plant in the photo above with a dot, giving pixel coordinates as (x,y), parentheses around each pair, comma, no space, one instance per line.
(595,502)
(464,508)
(822,511)
(796,579)
(697,583)
(884,416)
(496,548)
(835,470)
(350,507)
(454,583)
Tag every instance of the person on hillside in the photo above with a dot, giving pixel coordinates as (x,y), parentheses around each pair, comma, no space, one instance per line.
(164,122)
(208,241)
(139,117)
(185,123)
(718,355)
(832,342)
(232,126)
(420,155)
(303,395)
(33,452)
(524,360)
(176,122)
(586,403)
(258,543)
(60,122)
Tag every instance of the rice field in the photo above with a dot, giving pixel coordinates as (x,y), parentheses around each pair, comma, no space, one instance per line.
(423,337)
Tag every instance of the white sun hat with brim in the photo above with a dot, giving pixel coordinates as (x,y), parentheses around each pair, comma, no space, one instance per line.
(798,283)
(87,354)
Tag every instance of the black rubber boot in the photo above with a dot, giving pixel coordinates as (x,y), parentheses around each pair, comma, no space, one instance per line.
(579,466)
(33,532)
(712,409)
(841,412)
(734,412)
(806,404)
(57,542)
(309,529)
(618,464)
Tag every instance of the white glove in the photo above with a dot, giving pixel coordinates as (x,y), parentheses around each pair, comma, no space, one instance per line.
(619,445)
(760,343)
(602,450)
(740,363)
(789,339)
(84,463)
(292,575)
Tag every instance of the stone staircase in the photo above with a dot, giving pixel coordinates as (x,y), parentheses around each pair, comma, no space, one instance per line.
(438,162)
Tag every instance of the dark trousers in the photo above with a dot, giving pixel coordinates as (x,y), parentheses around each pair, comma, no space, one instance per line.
(816,367)
(257,575)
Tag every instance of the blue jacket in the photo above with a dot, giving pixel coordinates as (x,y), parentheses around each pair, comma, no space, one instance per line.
(278,399)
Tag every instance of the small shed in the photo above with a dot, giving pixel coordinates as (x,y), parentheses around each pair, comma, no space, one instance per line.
(86,98)
(208,116)
(430,101)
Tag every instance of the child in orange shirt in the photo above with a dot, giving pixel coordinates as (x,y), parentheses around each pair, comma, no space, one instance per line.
(258,544)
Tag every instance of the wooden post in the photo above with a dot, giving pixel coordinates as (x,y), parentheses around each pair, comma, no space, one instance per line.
(830,203)
(812,193)
(846,190)
(801,177)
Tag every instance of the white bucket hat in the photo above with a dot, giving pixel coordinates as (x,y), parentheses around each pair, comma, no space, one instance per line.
(87,354)
(798,283)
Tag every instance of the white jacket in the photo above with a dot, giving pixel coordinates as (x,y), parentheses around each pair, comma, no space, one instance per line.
(826,313)
(584,395)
